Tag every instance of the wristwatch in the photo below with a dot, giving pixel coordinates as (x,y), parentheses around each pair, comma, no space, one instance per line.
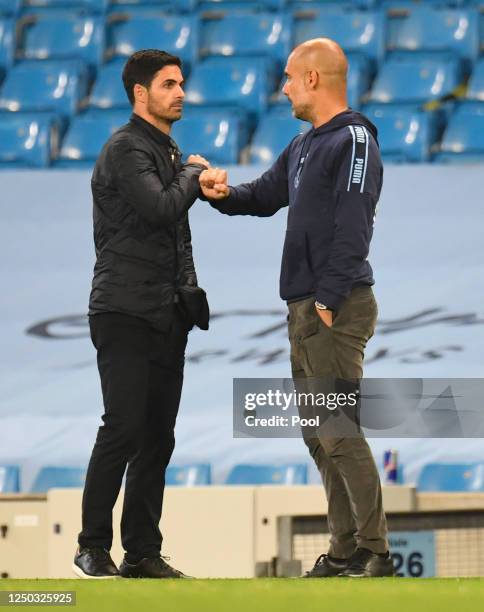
(320,306)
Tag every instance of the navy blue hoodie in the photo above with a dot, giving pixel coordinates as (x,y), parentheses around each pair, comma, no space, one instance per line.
(330,178)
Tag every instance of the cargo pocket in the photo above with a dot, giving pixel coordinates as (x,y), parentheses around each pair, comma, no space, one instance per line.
(316,347)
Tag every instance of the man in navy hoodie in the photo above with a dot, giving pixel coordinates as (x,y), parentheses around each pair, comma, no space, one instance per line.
(330,178)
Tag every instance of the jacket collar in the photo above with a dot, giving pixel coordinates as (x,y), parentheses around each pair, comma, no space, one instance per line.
(153,131)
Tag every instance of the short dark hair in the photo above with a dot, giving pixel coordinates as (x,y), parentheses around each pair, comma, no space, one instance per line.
(142,66)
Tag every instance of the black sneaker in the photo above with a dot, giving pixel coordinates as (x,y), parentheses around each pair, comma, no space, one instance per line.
(94,563)
(366,564)
(326,567)
(149,567)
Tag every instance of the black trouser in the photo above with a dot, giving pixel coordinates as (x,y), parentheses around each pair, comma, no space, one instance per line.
(141,373)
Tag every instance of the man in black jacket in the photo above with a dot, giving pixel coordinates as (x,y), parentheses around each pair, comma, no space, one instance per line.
(144,300)
(330,178)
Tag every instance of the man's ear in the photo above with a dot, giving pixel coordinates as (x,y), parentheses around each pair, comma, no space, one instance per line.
(311,79)
(139,93)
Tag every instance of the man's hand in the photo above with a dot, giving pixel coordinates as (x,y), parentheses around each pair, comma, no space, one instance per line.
(198,159)
(213,183)
(326,316)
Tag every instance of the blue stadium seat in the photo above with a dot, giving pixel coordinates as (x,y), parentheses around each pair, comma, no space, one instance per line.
(463,139)
(9,474)
(405,134)
(10,7)
(274,132)
(58,477)
(437,29)
(475,90)
(241,81)
(95,6)
(108,90)
(57,86)
(362,32)
(416,78)
(86,136)
(218,135)
(28,140)
(452,477)
(198,474)
(248,34)
(175,34)
(295,474)
(57,37)
(7,44)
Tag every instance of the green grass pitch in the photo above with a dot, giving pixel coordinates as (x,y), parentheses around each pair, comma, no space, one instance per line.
(267,595)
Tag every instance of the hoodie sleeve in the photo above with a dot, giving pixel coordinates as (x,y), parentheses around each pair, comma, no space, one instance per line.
(262,197)
(357,180)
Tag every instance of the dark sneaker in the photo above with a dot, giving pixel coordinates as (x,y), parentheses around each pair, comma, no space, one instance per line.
(366,564)
(149,567)
(94,563)
(326,567)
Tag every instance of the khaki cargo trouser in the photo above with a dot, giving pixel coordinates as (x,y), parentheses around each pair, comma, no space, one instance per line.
(346,465)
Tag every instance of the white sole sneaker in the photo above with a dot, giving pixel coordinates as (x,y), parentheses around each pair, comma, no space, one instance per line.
(80,574)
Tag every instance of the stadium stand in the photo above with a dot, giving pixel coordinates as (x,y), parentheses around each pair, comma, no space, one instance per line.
(268,474)
(63,56)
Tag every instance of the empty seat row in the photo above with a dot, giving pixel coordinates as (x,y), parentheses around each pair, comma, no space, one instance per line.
(197,474)
(274,35)
(64,87)
(405,134)
(450,477)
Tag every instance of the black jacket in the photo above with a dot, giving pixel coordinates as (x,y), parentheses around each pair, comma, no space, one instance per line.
(141,195)
(330,178)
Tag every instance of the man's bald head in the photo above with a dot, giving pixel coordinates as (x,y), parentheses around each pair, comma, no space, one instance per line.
(324,56)
(316,74)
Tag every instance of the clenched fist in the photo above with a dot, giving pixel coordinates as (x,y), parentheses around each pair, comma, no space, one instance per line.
(213,183)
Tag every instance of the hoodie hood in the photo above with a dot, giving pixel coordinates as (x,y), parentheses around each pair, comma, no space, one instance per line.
(347,117)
